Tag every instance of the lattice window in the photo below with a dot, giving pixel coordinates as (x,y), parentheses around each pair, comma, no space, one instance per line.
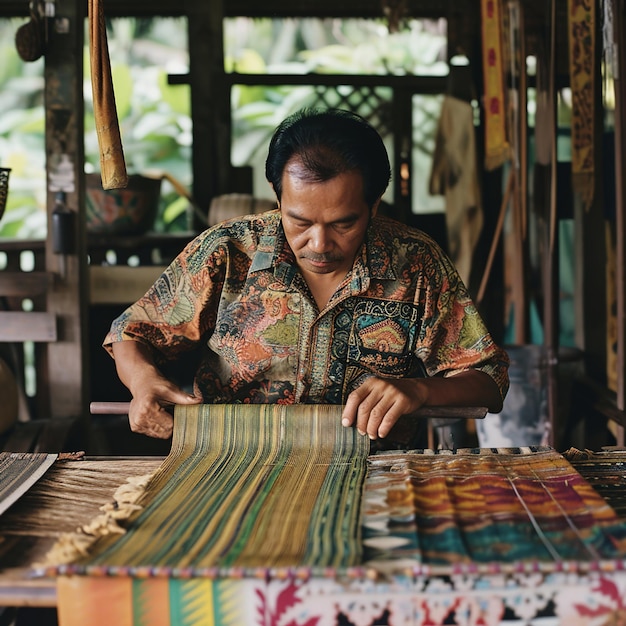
(374,103)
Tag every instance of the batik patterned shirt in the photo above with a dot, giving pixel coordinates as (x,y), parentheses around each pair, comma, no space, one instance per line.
(237,292)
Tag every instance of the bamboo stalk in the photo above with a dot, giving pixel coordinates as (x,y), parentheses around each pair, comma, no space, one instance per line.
(112,163)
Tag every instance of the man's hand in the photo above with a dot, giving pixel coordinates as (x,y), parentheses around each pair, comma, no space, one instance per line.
(376,405)
(152,393)
(149,414)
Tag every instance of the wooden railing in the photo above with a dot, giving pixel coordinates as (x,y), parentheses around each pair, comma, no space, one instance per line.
(120,270)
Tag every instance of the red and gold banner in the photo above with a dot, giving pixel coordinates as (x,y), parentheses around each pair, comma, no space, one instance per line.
(497,149)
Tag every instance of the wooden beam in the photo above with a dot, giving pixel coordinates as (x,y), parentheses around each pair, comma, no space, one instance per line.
(423,84)
(253,8)
(65,361)
(619,15)
(210,100)
(121,284)
(550,261)
(16,326)
(591,252)
(25,284)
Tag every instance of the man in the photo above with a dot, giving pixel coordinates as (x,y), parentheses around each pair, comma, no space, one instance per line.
(319,301)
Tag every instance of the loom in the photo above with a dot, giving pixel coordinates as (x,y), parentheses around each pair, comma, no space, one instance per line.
(265,514)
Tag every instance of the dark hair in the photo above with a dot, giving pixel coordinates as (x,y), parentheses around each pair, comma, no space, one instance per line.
(330,142)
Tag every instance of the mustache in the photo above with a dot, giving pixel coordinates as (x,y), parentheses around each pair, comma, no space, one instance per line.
(322,258)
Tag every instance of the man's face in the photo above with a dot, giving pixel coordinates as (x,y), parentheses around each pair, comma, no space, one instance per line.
(324,222)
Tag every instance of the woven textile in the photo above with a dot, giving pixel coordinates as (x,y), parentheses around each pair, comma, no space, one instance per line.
(505,509)
(20,471)
(478,532)
(246,488)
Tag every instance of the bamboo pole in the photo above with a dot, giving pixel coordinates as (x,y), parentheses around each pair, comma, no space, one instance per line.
(550,262)
(112,163)
(496,236)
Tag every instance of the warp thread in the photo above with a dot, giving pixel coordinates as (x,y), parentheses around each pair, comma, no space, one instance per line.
(71,546)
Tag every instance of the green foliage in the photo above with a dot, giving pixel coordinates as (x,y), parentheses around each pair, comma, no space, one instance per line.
(22,133)
(155,116)
(329,46)
(154,119)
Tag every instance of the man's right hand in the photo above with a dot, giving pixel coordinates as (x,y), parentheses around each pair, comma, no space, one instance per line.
(153,395)
(150,411)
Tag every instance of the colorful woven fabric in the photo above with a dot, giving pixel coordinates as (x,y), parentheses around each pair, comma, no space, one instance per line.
(18,472)
(446,535)
(581,21)
(503,509)
(124,601)
(246,488)
(497,149)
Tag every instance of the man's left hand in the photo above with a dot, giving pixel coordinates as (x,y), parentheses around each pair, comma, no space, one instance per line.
(376,405)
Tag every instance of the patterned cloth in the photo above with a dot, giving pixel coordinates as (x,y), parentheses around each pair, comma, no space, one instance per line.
(401,311)
(581,23)
(19,471)
(497,148)
(484,509)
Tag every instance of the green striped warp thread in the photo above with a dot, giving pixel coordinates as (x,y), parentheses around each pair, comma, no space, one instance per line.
(249,487)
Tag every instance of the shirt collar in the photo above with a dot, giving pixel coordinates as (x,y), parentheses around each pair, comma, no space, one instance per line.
(374,261)
(379,253)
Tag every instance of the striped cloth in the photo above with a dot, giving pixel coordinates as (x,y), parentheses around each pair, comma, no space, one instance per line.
(19,471)
(246,488)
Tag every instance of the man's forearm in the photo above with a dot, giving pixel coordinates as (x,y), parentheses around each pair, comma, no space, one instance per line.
(134,362)
(471,388)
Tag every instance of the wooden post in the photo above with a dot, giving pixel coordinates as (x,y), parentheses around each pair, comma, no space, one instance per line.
(550,246)
(210,102)
(620,204)
(519,132)
(66,360)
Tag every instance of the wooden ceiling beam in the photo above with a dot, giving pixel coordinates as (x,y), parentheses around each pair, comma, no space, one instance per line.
(463,29)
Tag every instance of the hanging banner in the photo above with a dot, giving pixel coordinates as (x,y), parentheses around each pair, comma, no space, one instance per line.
(581,26)
(497,149)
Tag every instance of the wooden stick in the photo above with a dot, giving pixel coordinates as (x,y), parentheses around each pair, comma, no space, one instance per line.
(112,163)
(496,236)
(550,262)
(443,412)
(109,408)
